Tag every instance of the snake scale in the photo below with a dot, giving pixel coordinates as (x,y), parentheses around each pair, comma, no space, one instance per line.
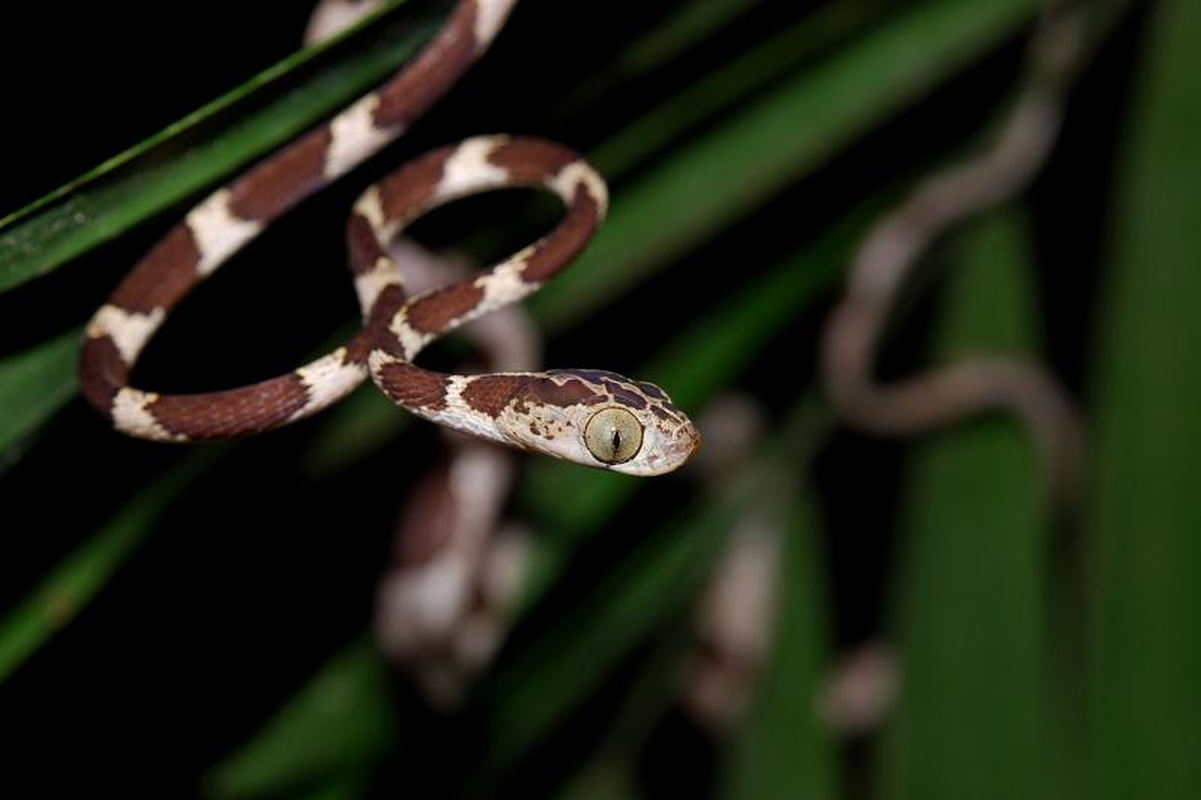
(590,417)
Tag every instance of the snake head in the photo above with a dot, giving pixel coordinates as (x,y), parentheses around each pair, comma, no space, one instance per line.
(600,419)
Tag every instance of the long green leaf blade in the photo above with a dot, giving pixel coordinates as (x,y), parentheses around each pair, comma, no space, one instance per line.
(137,184)
(973,715)
(1145,518)
(34,384)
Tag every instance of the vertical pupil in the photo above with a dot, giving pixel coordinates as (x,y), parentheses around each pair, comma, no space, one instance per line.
(616,440)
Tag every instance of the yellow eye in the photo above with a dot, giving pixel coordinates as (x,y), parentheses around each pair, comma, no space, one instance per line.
(613,435)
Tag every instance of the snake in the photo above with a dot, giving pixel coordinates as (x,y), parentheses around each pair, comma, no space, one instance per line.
(591,417)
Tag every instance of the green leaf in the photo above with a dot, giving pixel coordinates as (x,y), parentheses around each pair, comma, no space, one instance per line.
(683,29)
(1144,520)
(734,81)
(349,788)
(611,770)
(34,384)
(603,780)
(705,185)
(339,722)
(222,136)
(973,629)
(549,677)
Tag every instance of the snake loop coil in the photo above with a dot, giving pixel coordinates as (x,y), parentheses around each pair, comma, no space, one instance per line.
(590,417)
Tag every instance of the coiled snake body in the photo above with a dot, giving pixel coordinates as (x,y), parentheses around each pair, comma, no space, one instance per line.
(590,417)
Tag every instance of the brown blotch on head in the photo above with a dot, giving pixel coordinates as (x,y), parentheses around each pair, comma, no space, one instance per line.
(278,183)
(651,390)
(163,276)
(414,387)
(236,412)
(626,397)
(489,394)
(365,250)
(102,371)
(436,310)
(572,392)
(406,192)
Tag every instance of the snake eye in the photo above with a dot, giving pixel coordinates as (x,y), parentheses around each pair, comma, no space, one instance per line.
(613,435)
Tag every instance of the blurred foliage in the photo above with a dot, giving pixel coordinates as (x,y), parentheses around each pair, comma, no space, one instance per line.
(1144,518)
(971,596)
(750,144)
(34,384)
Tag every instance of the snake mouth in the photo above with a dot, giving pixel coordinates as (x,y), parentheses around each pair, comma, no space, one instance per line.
(690,444)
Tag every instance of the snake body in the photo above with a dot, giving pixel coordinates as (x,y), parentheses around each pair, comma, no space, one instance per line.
(590,417)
